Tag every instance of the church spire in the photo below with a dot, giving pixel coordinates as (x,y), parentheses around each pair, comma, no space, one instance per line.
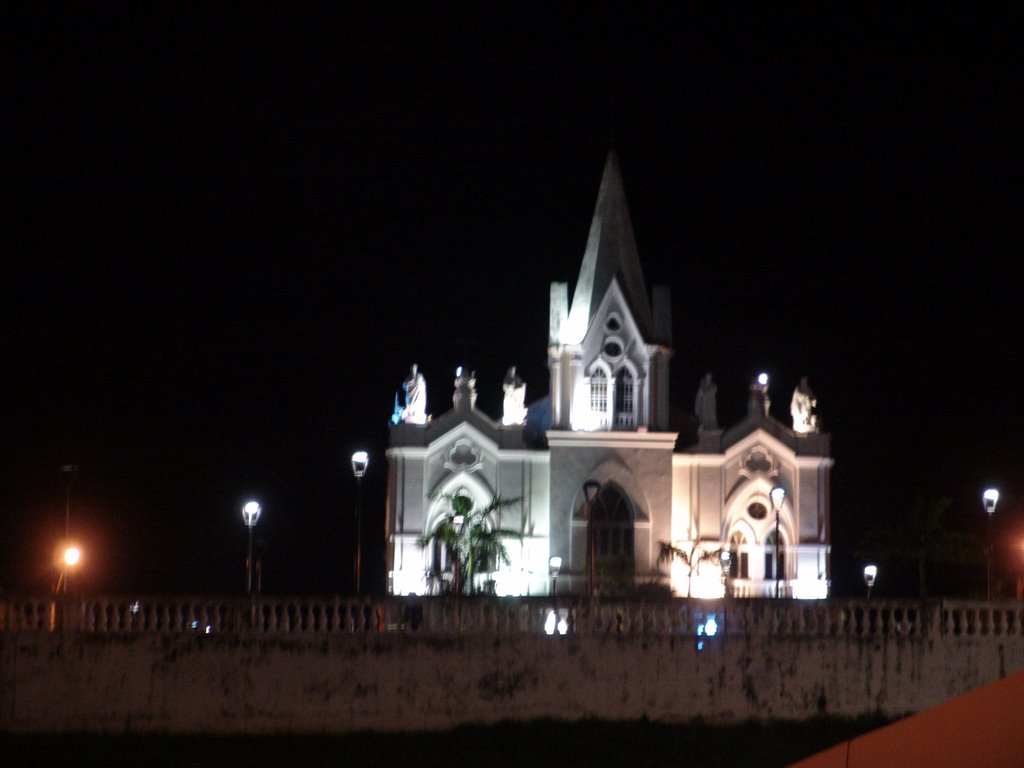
(611,251)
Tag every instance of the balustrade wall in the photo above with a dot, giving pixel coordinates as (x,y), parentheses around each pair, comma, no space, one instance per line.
(735,617)
(225,665)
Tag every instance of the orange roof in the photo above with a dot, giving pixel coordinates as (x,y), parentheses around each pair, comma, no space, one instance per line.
(982,729)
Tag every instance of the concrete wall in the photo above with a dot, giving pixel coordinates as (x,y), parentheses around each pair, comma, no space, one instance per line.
(431,664)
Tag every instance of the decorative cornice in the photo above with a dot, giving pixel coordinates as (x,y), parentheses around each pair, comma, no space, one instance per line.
(612,439)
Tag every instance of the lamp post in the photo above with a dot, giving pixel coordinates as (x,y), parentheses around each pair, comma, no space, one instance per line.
(870,572)
(250,514)
(71,555)
(989,498)
(590,490)
(69,473)
(1020,579)
(778,495)
(68,559)
(554,566)
(360,461)
(726,560)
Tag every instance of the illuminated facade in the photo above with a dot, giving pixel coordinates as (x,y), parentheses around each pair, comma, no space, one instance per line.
(604,433)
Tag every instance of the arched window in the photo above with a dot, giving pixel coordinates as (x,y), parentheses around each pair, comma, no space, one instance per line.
(740,558)
(625,399)
(599,395)
(612,529)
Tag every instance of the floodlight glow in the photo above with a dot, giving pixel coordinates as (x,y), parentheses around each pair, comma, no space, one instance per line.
(762,379)
(555,565)
(707,585)
(711,627)
(809,589)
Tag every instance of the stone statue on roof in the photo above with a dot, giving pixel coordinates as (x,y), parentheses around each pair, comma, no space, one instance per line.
(514,411)
(465,389)
(704,404)
(803,407)
(415,387)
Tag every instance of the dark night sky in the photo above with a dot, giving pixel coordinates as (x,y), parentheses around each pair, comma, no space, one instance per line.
(231,234)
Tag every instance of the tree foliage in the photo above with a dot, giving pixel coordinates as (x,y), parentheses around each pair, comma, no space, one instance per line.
(923,538)
(470,536)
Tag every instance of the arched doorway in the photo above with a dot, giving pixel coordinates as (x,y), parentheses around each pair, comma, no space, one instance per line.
(612,532)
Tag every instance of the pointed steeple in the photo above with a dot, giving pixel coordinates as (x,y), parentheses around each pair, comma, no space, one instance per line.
(611,250)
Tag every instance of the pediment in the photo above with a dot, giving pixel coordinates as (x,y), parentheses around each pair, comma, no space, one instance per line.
(614,322)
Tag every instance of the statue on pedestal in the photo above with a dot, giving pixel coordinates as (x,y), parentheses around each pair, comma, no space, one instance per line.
(415,387)
(514,411)
(704,404)
(465,388)
(803,408)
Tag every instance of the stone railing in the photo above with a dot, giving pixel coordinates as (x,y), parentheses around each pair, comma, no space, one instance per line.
(536,615)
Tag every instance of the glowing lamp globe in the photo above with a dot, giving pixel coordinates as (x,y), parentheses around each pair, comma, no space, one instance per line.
(870,573)
(251,513)
(360,461)
(990,497)
(72,556)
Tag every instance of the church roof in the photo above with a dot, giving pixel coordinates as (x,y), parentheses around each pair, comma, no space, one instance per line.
(611,252)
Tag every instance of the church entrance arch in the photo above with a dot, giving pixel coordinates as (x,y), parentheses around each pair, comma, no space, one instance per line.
(441,563)
(613,514)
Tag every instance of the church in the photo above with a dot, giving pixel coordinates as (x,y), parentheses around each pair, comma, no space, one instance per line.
(601,496)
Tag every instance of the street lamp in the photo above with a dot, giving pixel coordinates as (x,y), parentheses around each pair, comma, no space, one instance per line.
(726,560)
(778,495)
(870,572)
(250,514)
(989,498)
(590,490)
(68,559)
(360,461)
(554,566)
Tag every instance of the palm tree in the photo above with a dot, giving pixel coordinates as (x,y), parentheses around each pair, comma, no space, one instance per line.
(692,558)
(468,534)
(922,537)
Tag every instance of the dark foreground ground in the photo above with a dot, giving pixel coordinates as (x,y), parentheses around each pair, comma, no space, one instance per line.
(523,745)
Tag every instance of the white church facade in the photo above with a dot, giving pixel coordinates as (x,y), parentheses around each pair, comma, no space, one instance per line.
(606,500)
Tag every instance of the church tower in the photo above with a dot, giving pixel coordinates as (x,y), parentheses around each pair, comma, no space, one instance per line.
(609,350)
(611,453)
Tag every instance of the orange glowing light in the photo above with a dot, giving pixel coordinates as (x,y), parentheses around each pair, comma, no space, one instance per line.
(72,555)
